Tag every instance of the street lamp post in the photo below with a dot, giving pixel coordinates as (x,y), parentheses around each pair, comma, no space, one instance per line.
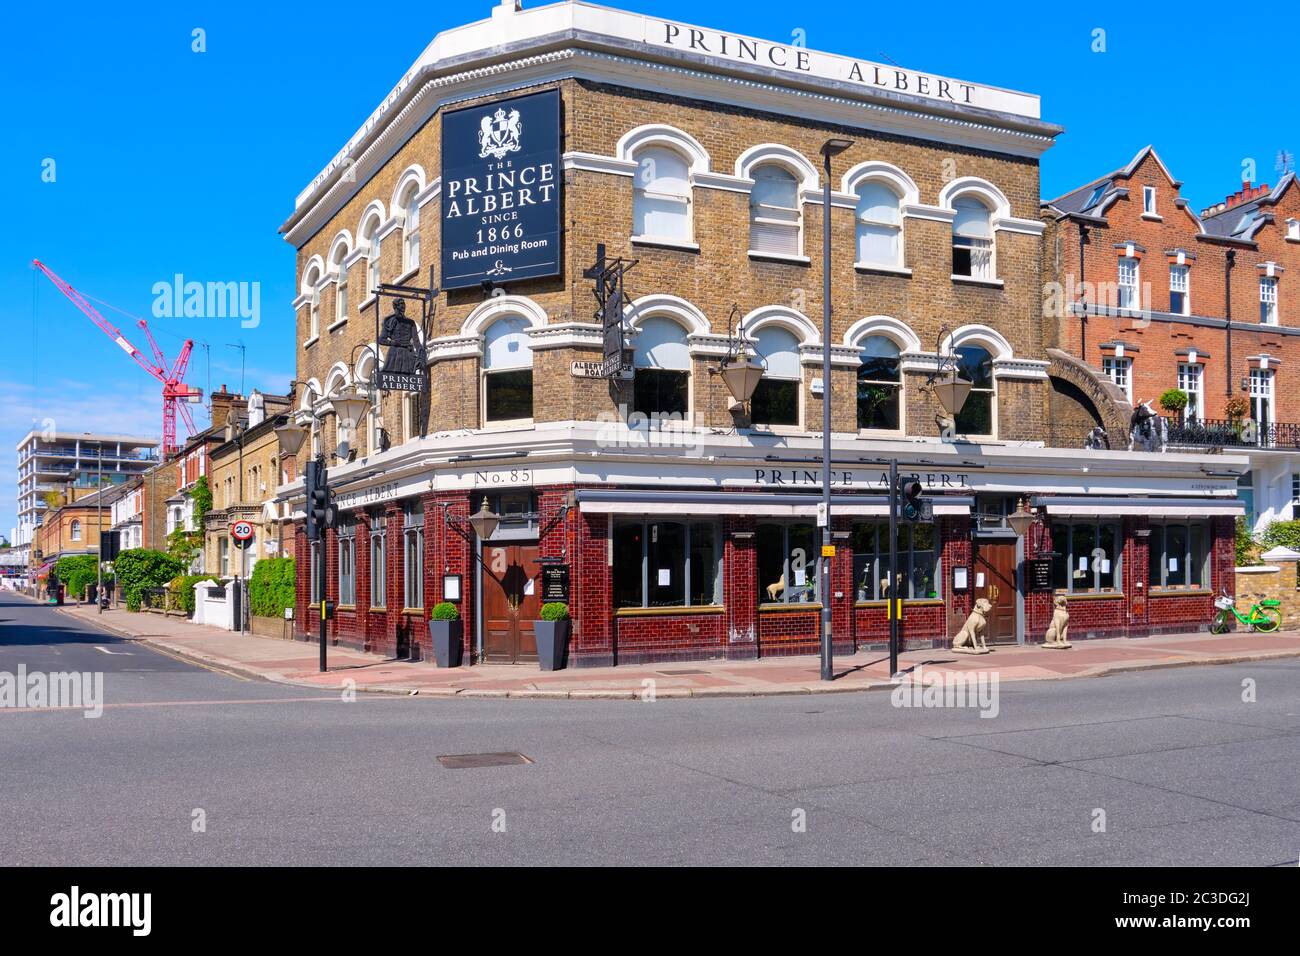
(832,147)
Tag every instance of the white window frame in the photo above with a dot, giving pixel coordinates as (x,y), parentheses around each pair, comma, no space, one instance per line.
(1130,292)
(1191,379)
(374,271)
(341,288)
(983,251)
(1268,300)
(686,200)
(1293,230)
(864,222)
(1119,369)
(1149,201)
(1180,281)
(786,219)
(1262,389)
(411,229)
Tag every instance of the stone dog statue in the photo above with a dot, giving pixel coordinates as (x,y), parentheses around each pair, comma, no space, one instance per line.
(1058,631)
(970,639)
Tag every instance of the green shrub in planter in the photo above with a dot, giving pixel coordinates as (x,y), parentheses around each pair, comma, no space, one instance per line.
(445,611)
(555,611)
(1173,400)
(180,591)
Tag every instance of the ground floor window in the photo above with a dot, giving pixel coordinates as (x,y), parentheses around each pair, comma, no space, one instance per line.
(347,563)
(1087,556)
(413,563)
(378,565)
(918,561)
(1179,555)
(667,564)
(787,563)
(314,573)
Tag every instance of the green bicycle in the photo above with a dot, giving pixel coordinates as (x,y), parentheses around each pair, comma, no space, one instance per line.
(1263,617)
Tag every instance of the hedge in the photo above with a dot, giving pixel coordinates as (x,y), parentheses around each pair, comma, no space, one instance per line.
(180,592)
(77,572)
(140,569)
(271,587)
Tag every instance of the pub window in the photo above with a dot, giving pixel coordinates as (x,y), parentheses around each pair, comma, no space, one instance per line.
(413,560)
(975,365)
(378,562)
(880,385)
(507,371)
(775,218)
(880,226)
(1087,556)
(776,398)
(411,229)
(667,564)
(347,561)
(661,382)
(918,561)
(314,573)
(1178,555)
(341,285)
(788,563)
(371,235)
(972,240)
(661,195)
(1180,301)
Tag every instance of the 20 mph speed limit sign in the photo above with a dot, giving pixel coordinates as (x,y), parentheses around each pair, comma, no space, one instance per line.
(241,531)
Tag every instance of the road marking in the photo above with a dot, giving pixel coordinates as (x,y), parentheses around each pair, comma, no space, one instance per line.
(105,650)
(200,703)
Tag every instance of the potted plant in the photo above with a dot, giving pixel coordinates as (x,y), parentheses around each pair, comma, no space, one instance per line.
(446,631)
(1174,401)
(552,633)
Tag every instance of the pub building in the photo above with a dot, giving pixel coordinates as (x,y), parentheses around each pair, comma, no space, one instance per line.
(611,395)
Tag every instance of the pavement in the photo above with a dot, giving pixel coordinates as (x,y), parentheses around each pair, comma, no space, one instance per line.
(1188,766)
(297,663)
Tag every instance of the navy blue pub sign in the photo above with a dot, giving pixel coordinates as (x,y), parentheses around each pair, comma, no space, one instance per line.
(501,184)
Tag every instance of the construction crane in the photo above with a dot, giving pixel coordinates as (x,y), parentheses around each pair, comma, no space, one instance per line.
(174,392)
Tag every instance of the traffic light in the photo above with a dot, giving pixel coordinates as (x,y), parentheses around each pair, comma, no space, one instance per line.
(319,507)
(910,505)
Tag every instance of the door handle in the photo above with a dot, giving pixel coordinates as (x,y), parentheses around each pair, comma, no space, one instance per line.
(993,592)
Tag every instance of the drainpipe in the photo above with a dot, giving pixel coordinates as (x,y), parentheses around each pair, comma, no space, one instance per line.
(1229,261)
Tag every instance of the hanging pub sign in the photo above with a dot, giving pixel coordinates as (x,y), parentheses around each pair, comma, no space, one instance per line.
(403,369)
(501,186)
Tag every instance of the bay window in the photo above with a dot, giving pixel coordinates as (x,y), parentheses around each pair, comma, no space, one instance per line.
(667,564)
(918,561)
(1178,555)
(1086,556)
(788,563)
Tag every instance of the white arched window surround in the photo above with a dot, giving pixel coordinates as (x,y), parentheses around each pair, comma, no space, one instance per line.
(777,231)
(663,365)
(978,208)
(999,349)
(882,342)
(503,326)
(368,240)
(340,249)
(313,276)
(406,206)
(666,160)
(883,193)
(781,339)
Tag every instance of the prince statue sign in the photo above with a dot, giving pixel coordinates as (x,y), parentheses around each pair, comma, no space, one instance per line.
(403,369)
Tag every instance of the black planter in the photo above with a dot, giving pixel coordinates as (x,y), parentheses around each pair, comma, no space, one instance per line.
(552,644)
(445,636)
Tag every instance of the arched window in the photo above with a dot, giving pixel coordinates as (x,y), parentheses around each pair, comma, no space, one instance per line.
(662,383)
(661,197)
(410,229)
(313,301)
(972,240)
(507,371)
(776,399)
(76,530)
(341,285)
(975,365)
(880,385)
(774,212)
(880,226)
(370,236)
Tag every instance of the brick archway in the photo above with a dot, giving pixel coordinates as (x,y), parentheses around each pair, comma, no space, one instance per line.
(1094,398)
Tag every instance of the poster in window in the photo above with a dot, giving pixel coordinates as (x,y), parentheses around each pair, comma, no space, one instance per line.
(501,191)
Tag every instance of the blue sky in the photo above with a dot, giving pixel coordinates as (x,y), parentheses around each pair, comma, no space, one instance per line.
(169,161)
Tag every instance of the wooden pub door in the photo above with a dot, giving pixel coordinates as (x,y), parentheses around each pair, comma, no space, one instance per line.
(511,586)
(996,561)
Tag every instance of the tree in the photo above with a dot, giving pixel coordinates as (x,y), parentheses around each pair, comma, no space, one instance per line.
(77,572)
(184,545)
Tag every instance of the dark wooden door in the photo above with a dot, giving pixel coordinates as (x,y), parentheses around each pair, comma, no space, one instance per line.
(996,561)
(511,591)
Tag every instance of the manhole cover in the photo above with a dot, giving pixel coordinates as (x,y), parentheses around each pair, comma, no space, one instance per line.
(681,673)
(465,761)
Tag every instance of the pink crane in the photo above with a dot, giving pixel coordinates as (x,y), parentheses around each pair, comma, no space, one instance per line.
(174,392)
